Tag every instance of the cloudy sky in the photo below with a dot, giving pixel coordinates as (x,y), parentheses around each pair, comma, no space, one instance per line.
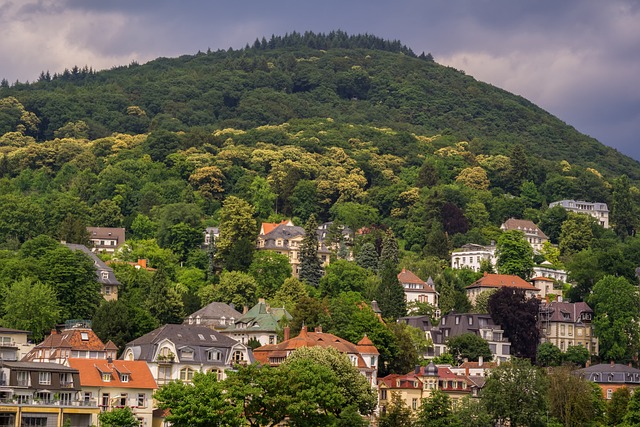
(577,59)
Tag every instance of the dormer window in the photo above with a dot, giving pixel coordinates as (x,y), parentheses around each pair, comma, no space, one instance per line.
(124,378)
(214,355)
(187,354)
(106,377)
(105,275)
(84,336)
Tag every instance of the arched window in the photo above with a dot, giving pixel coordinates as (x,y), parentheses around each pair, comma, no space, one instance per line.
(238,356)
(186,374)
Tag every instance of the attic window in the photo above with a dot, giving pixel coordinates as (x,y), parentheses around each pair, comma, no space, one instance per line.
(201,337)
(124,378)
(187,354)
(106,377)
(84,336)
(213,338)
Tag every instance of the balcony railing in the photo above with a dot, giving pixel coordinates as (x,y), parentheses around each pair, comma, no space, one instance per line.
(45,402)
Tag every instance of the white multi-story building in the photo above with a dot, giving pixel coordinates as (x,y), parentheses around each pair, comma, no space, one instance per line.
(416,289)
(547,270)
(471,256)
(598,210)
(532,233)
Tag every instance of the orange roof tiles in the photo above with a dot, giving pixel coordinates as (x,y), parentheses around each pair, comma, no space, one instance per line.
(139,375)
(406,276)
(365,346)
(502,280)
(268,227)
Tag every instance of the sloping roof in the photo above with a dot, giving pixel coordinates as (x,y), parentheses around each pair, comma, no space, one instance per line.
(610,373)
(268,227)
(366,346)
(38,366)
(107,233)
(309,339)
(99,265)
(557,310)
(523,225)
(406,276)
(91,373)
(72,339)
(260,317)
(216,311)
(13,331)
(502,280)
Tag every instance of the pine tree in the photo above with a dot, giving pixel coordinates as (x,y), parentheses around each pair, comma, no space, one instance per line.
(623,215)
(310,265)
(367,257)
(389,251)
(390,294)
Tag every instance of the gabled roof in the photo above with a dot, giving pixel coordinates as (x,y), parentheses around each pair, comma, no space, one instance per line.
(366,346)
(216,311)
(261,318)
(268,227)
(72,339)
(524,225)
(309,339)
(91,370)
(406,276)
(556,311)
(107,233)
(502,280)
(99,265)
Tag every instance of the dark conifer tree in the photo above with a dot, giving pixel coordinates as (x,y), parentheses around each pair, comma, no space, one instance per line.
(310,265)
(367,257)
(390,294)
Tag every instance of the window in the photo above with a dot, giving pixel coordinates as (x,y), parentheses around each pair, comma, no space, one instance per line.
(44,378)
(86,398)
(123,399)
(186,374)
(84,336)
(23,378)
(238,356)
(383,394)
(34,421)
(414,403)
(272,339)
(105,275)
(213,355)
(124,378)
(609,393)
(107,290)
(105,399)
(187,354)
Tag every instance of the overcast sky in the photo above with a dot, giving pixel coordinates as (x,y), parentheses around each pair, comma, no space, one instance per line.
(577,59)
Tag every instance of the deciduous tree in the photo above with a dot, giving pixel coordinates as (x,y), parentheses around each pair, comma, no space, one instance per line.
(517,314)
(515,255)
(469,346)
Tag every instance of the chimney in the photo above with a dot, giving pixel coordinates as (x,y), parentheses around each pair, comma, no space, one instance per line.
(417,370)
(318,329)
(142,262)
(485,274)
(261,301)
(466,370)
(287,333)
(480,360)
(245,309)
(612,363)
(54,332)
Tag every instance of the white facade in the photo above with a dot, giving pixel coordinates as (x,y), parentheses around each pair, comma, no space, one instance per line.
(471,256)
(546,270)
(599,211)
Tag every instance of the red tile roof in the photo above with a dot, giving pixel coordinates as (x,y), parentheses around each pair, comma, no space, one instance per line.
(406,276)
(91,373)
(502,280)
(268,227)
(365,346)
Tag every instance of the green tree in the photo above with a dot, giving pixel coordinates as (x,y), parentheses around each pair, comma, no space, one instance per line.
(515,255)
(469,346)
(183,239)
(142,227)
(412,346)
(577,355)
(623,214)
(616,305)
(31,306)
(396,414)
(436,411)
(632,417)
(516,392)
(343,276)
(113,321)
(270,269)
(118,417)
(354,215)
(203,403)
(548,355)
(288,295)
(262,197)
(367,257)
(482,301)
(163,302)
(551,222)
(576,233)
(473,412)
(571,399)
(389,250)
(106,214)
(617,406)
(310,265)
(238,231)
(234,287)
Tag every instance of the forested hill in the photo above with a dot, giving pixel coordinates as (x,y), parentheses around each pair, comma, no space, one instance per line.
(359,80)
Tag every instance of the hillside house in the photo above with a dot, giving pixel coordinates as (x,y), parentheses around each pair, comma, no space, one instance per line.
(106,239)
(532,233)
(417,290)
(497,281)
(104,274)
(598,210)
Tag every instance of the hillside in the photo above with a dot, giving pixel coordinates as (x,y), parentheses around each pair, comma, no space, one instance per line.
(360,80)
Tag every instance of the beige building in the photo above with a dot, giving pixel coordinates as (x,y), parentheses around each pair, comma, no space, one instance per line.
(532,233)
(566,324)
(497,281)
(14,344)
(416,289)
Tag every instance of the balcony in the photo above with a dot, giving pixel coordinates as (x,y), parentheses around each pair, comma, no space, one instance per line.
(44,402)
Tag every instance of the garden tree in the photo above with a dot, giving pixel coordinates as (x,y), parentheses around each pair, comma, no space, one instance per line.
(389,250)
(163,301)
(118,417)
(114,321)
(632,417)
(519,167)
(106,214)
(310,312)
(30,306)
(73,229)
(238,230)
(310,264)
(412,345)
(262,393)
(203,403)
(548,355)
(367,257)
(183,239)
(482,301)
(530,195)
(396,414)
(390,293)
(353,387)
(175,213)
(469,346)
(234,287)
(616,305)
(343,276)
(160,144)
(288,295)
(517,314)
(551,253)
(551,222)
(617,406)
(572,399)
(73,276)
(576,233)
(438,243)
(515,255)
(516,392)
(263,198)
(577,355)
(474,177)
(270,269)
(623,214)
(436,411)
(477,214)
(471,412)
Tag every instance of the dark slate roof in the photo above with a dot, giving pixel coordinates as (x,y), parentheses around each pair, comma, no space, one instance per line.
(260,318)
(37,366)
(198,338)
(13,331)
(215,311)
(565,311)
(610,373)
(98,263)
(448,322)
